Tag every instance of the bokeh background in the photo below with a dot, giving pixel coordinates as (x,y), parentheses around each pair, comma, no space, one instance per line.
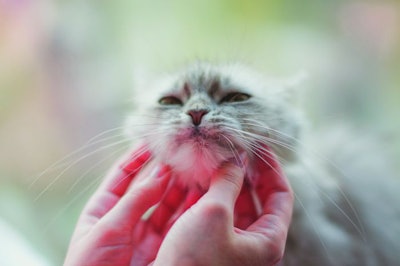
(67,69)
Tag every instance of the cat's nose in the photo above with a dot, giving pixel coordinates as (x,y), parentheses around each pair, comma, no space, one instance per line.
(197,115)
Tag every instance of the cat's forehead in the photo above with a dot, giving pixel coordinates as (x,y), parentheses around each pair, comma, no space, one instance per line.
(211,80)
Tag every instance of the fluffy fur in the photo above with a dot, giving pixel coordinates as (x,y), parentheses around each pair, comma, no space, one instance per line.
(347,205)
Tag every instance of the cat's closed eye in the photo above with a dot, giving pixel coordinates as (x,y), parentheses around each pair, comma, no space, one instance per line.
(170,100)
(235,97)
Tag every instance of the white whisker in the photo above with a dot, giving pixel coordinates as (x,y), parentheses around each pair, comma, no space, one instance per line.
(88,144)
(315,154)
(81,177)
(50,184)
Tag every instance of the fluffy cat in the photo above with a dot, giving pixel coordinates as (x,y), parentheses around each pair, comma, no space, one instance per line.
(347,205)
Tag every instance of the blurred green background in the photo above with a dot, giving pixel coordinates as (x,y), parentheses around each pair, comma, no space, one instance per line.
(67,70)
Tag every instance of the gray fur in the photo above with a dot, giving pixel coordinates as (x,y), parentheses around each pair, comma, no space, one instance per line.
(347,199)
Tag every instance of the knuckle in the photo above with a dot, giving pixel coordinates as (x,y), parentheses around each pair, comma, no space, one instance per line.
(274,242)
(276,247)
(275,253)
(215,211)
(138,194)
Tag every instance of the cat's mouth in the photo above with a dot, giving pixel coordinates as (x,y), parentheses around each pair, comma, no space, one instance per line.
(196,152)
(198,135)
(203,140)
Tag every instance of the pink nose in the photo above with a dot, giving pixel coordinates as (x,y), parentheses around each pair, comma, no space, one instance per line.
(197,115)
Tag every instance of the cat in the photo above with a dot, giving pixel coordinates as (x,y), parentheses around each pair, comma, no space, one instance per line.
(347,204)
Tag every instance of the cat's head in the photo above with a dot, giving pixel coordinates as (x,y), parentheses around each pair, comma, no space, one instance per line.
(198,118)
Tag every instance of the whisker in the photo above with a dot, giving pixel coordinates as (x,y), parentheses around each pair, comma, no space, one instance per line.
(358,227)
(50,184)
(78,180)
(267,153)
(78,196)
(315,228)
(92,184)
(330,162)
(140,153)
(103,133)
(61,160)
(233,149)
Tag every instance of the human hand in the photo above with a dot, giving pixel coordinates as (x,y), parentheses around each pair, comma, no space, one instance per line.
(205,233)
(110,230)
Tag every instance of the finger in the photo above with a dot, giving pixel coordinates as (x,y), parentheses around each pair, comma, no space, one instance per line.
(275,192)
(168,205)
(225,186)
(273,189)
(270,231)
(138,199)
(114,185)
(146,244)
(191,198)
(127,170)
(245,211)
(269,175)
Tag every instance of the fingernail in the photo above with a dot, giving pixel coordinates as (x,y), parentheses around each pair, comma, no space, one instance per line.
(155,172)
(135,162)
(159,171)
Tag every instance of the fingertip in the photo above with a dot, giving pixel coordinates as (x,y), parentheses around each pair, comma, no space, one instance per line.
(140,197)
(229,174)
(155,180)
(227,183)
(138,158)
(161,177)
(163,171)
(240,160)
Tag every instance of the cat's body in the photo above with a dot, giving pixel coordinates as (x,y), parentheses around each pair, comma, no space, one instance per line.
(347,209)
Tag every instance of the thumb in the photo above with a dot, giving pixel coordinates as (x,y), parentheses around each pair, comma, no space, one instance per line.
(226,184)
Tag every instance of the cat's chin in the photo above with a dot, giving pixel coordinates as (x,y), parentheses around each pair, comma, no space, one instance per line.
(194,165)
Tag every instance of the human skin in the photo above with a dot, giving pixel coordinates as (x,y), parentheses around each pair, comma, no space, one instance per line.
(205,234)
(105,232)
(111,229)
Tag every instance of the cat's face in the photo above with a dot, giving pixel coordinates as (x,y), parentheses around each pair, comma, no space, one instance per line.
(198,119)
